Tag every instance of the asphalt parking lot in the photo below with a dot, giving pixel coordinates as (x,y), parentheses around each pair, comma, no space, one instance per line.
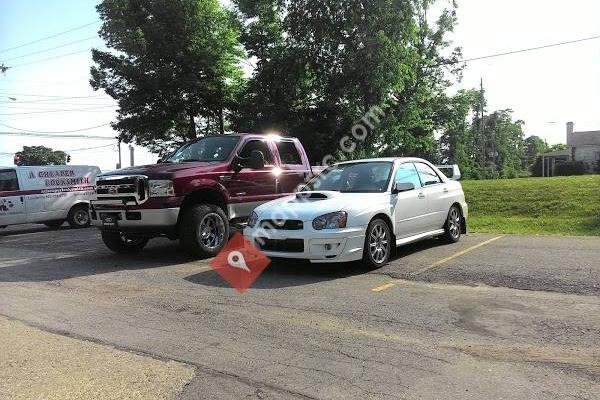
(493,316)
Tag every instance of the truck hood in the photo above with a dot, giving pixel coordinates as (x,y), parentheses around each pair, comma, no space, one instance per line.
(306,206)
(166,170)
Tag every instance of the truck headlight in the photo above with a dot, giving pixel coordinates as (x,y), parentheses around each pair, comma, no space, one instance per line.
(161,188)
(332,220)
(252,219)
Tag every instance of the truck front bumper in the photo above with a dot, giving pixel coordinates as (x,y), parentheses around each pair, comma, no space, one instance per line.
(162,219)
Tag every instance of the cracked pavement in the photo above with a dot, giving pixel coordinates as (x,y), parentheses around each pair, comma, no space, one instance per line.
(518,318)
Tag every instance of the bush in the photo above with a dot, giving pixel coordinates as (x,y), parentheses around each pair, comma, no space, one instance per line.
(570,168)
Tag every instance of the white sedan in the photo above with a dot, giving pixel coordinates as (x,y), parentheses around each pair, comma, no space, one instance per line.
(360,210)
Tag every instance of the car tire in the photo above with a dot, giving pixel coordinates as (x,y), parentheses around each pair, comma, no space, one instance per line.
(203,230)
(453,225)
(54,225)
(121,244)
(378,244)
(79,216)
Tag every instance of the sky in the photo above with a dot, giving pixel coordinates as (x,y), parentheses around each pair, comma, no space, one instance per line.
(545,88)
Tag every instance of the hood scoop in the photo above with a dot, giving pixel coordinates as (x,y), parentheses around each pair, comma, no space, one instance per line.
(314,196)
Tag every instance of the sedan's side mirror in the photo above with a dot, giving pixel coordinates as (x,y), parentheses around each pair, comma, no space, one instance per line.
(400,187)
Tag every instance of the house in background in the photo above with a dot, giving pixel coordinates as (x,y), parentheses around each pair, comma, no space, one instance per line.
(583,146)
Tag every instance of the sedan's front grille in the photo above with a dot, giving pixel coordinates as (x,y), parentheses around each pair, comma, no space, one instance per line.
(284,224)
(282,245)
(122,188)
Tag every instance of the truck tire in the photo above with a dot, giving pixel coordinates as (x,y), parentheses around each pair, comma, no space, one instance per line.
(3,226)
(54,225)
(203,230)
(79,216)
(121,244)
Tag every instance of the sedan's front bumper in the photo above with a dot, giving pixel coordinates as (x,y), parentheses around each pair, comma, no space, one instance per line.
(324,246)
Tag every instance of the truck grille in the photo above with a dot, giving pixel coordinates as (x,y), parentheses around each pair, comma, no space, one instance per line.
(123,188)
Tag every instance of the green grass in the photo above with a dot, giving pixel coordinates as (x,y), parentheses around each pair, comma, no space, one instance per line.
(544,206)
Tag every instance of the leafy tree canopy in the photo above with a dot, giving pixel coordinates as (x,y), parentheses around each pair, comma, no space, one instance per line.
(173,67)
(40,155)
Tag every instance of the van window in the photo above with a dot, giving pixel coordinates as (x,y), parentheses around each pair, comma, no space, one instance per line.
(8,181)
(259,145)
(289,153)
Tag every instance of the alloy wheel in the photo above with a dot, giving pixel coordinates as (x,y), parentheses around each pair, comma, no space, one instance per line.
(379,243)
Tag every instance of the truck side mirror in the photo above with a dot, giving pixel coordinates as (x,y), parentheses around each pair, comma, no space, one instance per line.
(399,187)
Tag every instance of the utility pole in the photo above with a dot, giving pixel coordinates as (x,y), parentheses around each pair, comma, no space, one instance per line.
(119,148)
(131,156)
(481,126)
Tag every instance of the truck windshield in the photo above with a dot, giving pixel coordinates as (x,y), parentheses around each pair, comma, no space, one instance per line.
(212,148)
(367,177)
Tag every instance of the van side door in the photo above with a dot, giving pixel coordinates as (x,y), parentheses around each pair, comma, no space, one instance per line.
(12,204)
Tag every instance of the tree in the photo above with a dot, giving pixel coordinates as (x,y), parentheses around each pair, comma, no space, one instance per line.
(534,146)
(322,65)
(174,68)
(40,155)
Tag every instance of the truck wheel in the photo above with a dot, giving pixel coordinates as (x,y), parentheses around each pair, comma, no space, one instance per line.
(122,244)
(79,216)
(54,224)
(203,230)
(3,226)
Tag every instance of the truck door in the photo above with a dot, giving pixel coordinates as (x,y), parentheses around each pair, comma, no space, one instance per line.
(12,205)
(249,187)
(293,170)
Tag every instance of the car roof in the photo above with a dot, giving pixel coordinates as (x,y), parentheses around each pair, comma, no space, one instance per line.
(388,159)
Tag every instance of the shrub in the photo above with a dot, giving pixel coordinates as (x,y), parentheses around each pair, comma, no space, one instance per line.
(570,168)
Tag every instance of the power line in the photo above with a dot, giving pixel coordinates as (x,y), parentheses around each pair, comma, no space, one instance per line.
(48,95)
(51,48)
(32,131)
(50,58)
(59,110)
(68,151)
(56,136)
(520,51)
(50,37)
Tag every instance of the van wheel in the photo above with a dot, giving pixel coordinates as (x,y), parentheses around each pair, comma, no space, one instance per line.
(378,244)
(54,224)
(122,244)
(79,216)
(453,227)
(203,230)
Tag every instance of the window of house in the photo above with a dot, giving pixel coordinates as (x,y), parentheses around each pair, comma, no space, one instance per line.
(289,153)
(8,181)
(259,145)
(427,174)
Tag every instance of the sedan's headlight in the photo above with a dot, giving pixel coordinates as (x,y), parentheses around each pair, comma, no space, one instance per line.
(161,188)
(333,220)
(252,219)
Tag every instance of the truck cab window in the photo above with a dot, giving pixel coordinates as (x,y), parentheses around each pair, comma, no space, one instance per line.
(8,181)
(259,145)
(288,153)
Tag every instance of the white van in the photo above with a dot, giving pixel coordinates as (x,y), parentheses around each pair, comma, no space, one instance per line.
(49,195)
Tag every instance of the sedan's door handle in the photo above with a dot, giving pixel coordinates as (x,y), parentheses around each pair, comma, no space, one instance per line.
(421,196)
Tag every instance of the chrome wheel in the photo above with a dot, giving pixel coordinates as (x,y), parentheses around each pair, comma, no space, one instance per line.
(211,233)
(379,242)
(454,222)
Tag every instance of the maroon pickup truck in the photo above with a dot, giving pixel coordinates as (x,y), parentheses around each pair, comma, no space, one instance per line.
(197,192)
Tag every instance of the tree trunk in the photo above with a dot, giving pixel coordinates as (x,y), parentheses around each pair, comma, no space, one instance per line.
(221,122)
(192,132)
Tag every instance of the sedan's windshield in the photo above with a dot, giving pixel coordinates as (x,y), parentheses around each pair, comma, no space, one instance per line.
(213,148)
(353,178)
